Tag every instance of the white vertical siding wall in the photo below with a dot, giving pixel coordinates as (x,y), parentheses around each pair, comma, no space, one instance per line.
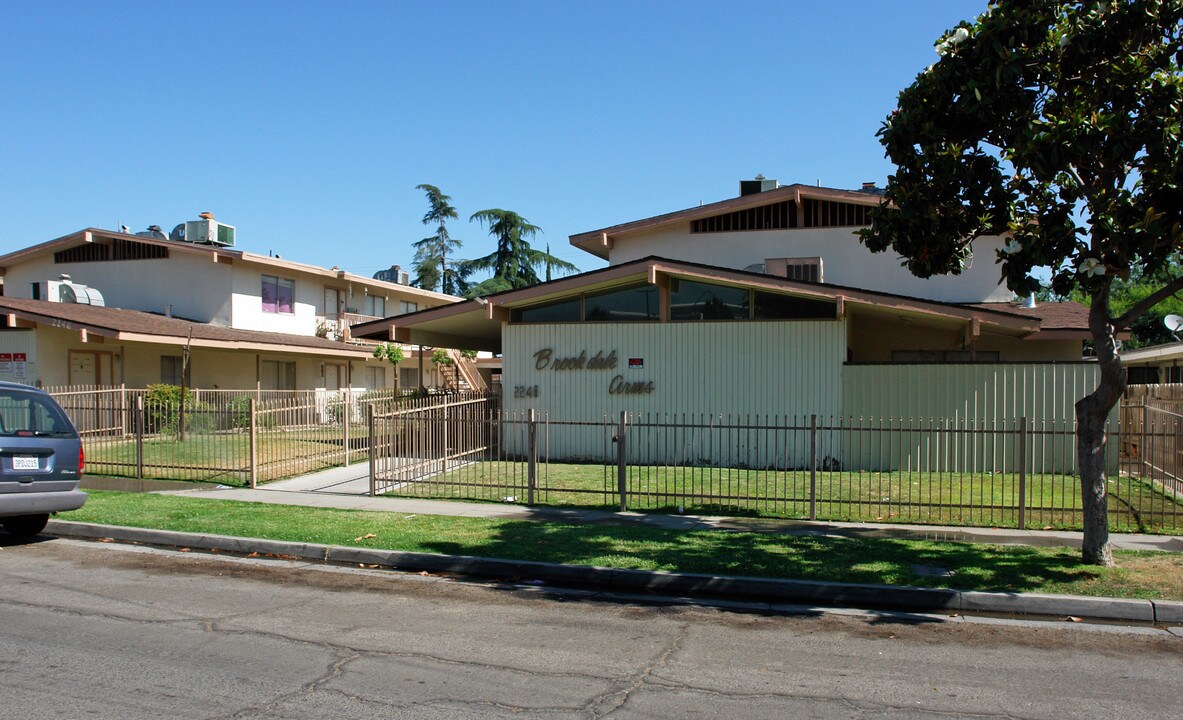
(975,397)
(698,370)
(20,341)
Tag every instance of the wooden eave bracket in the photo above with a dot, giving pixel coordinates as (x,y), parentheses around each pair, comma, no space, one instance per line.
(840,301)
(496,312)
(972,332)
(17,322)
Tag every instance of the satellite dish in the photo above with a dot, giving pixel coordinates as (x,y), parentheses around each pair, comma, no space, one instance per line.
(1173,323)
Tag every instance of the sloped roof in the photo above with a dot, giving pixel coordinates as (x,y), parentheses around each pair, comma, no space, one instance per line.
(1057,317)
(598,242)
(136,326)
(98,235)
(476,323)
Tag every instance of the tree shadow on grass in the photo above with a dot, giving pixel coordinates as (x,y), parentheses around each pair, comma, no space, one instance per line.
(885,561)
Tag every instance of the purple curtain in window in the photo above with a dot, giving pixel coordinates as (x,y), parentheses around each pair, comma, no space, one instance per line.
(278,295)
(283,296)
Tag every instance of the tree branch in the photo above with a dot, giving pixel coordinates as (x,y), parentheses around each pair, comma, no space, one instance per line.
(1154,298)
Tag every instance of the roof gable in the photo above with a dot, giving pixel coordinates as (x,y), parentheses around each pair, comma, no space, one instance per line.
(788,207)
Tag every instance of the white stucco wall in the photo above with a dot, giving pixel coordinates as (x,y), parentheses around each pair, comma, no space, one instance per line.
(247,301)
(196,287)
(845,261)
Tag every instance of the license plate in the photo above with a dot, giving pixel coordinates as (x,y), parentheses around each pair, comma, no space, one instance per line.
(25,463)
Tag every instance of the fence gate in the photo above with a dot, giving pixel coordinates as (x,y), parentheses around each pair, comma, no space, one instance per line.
(443,446)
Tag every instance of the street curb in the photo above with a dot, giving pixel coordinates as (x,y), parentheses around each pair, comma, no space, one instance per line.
(881,597)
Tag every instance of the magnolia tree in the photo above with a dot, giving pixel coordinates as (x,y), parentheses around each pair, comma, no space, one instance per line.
(1056,124)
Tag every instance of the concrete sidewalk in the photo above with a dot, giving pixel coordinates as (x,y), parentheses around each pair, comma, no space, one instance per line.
(348,488)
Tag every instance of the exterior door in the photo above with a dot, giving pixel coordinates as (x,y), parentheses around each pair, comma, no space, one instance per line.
(334,303)
(334,376)
(91,367)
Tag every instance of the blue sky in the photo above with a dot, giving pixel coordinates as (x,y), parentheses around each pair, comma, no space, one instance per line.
(308,125)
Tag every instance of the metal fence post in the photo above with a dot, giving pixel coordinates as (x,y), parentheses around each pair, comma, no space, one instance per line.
(346,412)
(621,460)
(1142,436)
(139,425)
(531,456)
(372,446)
(1023,473)
(813,467)
(252,477)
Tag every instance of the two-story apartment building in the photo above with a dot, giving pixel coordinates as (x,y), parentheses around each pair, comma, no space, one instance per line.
(243,320)
(768,304)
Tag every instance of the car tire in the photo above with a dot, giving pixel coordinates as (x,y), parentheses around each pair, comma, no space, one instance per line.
(25,525)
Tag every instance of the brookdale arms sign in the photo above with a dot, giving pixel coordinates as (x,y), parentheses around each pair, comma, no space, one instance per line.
(545,359)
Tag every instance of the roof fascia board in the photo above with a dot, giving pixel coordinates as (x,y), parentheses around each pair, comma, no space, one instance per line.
(647,269)
(343,276)
(55,323)
(239,345)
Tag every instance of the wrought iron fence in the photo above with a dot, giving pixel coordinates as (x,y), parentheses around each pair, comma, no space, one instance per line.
(936,471)
(229,436)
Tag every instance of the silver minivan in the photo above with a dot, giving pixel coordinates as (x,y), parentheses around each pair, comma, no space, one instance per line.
(41,460)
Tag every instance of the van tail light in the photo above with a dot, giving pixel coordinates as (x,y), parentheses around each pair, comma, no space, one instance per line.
(81,459)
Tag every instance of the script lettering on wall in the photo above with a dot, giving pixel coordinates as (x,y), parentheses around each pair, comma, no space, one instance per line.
(547,359)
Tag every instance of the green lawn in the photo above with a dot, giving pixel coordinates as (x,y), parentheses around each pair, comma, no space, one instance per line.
(224,457)
(980,499)
(890,561)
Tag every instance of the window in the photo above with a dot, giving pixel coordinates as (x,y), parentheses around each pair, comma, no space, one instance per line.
(26,412)
(771,306)
(375,378)
(944,356)
(637,302)
(556,312)
(408,377)
(375,306)
(405,307)
(170,370)
(808,269)
(278,294)
(1142,375)
(690,300)
(277,375)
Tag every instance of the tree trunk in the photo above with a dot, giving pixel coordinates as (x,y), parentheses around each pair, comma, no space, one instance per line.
(1092,411)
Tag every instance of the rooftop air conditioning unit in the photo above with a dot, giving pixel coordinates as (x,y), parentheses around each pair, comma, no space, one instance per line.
(62,291)
(404,277)
(209,232)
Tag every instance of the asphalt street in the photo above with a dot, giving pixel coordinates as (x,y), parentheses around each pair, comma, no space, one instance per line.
(103,630)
